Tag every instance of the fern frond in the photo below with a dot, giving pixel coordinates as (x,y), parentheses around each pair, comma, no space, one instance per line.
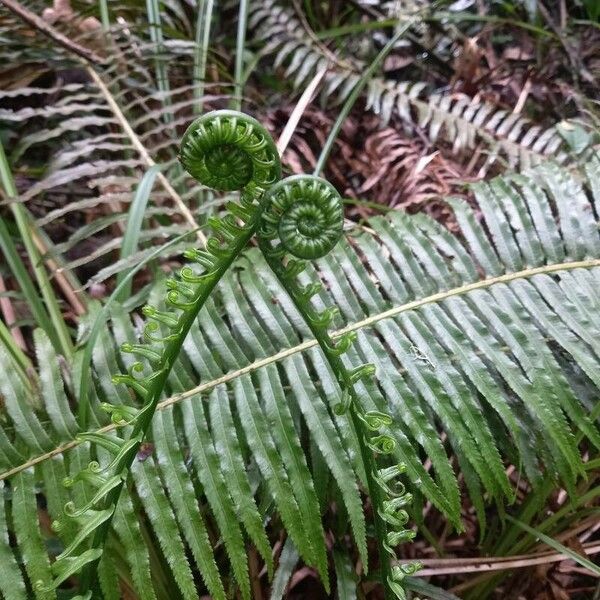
(12,583)
(489,336)
(102,133)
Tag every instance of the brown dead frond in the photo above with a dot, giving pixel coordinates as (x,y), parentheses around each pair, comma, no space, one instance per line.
(399,170)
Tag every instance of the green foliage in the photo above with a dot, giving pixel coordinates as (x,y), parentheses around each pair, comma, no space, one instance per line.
(303,219)
(301,216)
(490,336)
(216,147)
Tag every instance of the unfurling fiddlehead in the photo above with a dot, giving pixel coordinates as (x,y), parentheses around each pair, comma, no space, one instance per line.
(302,220)
(228,151)
(297,219)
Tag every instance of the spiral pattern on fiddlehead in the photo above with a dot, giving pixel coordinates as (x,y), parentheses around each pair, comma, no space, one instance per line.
(308,214)
(303,220)
(226,151)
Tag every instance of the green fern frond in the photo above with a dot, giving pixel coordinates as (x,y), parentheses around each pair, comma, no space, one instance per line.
(490,336)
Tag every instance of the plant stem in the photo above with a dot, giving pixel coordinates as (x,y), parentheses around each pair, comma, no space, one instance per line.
(345,383)
(142,423)
(104,15)
(44,27)
(205,8)
(160,66)
(239,54)
(376,501)
(86,357)
(353,97)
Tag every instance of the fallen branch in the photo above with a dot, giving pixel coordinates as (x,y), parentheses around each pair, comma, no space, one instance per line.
(456,566)
(38,23)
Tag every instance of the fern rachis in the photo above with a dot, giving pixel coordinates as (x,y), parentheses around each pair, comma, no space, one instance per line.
(207,149)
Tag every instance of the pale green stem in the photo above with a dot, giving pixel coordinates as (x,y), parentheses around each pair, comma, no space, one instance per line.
(239,54)
(24,226)
(104,15)
(205,9)
(356,91)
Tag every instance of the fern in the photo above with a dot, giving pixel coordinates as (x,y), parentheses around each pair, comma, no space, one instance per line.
(106,129)
(230,151)
(485,336)
(490,336)
(460,119)
(303,219)
(226,151)
(102,132)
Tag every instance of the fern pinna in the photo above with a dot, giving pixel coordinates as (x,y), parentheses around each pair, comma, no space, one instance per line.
(297,219)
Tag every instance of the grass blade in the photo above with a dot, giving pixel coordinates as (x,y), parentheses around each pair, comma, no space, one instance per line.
(205,9)
(134,222)
(239,54)
(584,562)
(287,563)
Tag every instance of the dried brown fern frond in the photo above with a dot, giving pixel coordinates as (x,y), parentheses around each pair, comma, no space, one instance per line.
(404,171)
(379,164)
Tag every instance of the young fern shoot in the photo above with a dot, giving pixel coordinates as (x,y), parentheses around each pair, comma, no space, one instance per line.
(297,219)
(303,220)
(227,151)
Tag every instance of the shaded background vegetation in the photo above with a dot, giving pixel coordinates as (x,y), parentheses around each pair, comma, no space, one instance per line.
(475,89)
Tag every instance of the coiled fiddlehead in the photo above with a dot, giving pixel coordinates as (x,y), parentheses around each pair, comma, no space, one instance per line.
(307,214)
(302,220)
(298,219)
(228,151)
